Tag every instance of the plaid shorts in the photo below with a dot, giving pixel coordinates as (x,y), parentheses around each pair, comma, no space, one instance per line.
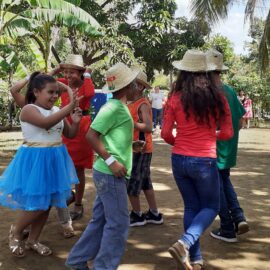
(140,176)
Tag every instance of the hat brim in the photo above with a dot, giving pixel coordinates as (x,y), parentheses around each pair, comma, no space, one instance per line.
(72,66)
(106,89)
(215,68)
(146,84)
(181,66)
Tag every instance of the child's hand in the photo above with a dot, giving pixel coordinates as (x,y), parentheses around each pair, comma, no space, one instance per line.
(76,116)
(138,146)
(118,169)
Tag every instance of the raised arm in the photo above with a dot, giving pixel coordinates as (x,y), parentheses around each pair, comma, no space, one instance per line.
(15,92)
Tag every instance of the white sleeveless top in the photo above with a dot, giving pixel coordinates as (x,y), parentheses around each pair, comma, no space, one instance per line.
(33,133)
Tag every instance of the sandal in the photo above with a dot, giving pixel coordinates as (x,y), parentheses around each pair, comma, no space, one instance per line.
(76,215)
(16,246)
(39,248)
(68,231)
(197,265)
(181,255)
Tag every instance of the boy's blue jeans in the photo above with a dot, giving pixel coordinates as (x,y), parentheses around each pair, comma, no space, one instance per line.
(198,181)
(230,211)
(104,239)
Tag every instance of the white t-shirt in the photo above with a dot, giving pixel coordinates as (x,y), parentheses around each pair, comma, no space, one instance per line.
(156,99)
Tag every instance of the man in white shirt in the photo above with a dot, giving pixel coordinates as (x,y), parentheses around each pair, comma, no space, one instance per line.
(157,99)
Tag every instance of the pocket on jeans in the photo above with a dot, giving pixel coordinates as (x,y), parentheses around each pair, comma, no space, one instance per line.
(101,182)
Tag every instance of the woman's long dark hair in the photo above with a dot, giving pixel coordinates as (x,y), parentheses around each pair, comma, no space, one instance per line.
(203,101)
(37,81)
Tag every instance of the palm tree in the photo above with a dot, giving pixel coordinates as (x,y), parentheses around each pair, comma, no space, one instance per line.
(214,10)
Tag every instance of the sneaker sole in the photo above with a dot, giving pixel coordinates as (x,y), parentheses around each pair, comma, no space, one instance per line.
(228,240)
(137,224)
(242,228)
(159,222)
(175,255)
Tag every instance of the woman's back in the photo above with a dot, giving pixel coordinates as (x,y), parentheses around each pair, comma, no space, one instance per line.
(193,139)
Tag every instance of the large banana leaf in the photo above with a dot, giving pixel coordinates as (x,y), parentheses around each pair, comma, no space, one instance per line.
(62,18)
(37,54)
(66,8)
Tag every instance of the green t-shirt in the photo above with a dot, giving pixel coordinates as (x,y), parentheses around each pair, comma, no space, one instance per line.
(227,150)
(115,124)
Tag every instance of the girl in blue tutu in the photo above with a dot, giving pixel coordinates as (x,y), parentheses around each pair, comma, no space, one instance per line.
(41,174)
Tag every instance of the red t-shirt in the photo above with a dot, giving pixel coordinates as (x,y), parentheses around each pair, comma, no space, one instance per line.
(192,139)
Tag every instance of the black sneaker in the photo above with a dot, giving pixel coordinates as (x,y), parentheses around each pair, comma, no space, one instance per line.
(241,227)
(224,236)
(153,219)
(136,220)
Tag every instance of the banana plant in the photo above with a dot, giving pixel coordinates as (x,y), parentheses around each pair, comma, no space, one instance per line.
(36,19)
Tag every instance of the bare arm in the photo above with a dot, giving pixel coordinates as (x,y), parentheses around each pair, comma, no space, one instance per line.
(146,125)
(15,92)
(93,138)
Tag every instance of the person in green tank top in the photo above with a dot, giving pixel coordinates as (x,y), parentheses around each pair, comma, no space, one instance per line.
(232,219)
(110,136)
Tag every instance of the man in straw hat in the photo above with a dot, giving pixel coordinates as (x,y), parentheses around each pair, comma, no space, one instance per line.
(232,219)
(110,135)
(140,110)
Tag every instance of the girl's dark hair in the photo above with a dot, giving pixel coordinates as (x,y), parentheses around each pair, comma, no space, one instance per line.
(203,101)
(37,81)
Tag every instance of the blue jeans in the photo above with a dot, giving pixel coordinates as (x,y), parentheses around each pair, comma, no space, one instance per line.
(198,182)
(157,117)
(104,239)
(230,211)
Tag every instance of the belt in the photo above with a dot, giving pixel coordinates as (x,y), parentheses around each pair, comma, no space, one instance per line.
(41,144)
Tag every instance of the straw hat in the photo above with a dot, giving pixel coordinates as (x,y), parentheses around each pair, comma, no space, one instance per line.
(119,76)
(74,61)
(194,61)
(142,77)
(215,57)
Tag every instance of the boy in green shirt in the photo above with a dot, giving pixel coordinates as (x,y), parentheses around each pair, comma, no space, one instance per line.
(110,135)
(232,219)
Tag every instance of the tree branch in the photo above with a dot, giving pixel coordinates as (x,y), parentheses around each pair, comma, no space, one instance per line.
(96,59)
(55,54)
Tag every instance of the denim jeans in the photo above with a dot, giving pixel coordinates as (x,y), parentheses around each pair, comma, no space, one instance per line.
(230,211)
(104,239)
(157,117)
(198,181)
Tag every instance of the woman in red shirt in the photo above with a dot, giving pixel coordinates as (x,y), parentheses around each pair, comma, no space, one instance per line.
(198,109)
(78,78)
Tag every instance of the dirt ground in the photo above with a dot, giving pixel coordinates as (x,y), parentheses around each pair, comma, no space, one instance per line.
(147,246)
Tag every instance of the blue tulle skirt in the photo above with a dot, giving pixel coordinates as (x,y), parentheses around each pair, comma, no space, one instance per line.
(38,178)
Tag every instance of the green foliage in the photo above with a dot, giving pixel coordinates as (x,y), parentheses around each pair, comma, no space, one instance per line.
(223,45)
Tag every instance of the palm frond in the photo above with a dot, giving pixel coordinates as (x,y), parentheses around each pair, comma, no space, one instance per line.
(211,10)
(264,47)
(250,10)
